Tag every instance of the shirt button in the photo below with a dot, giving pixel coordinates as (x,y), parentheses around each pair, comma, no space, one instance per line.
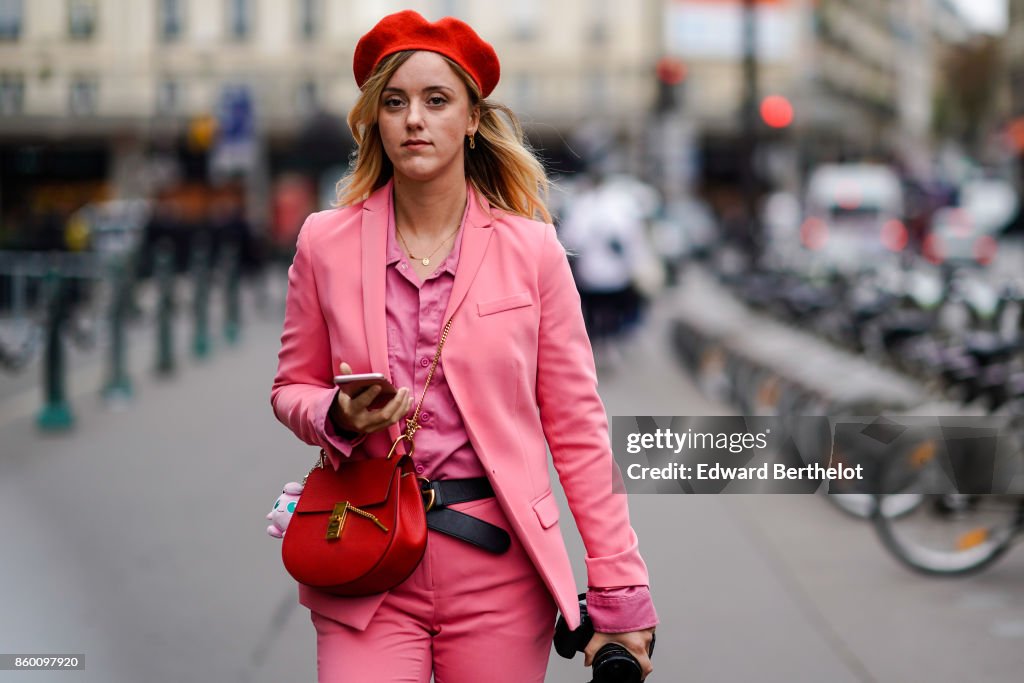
(424,362)
(403,265)
(420,469)
(425,417)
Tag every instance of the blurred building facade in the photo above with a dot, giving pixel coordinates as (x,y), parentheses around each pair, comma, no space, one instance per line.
(82,65)
(860,74)
(106,97)
(110,97)
(75,68)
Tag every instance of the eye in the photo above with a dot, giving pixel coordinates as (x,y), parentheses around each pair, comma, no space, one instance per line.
(436,100)
(392,101)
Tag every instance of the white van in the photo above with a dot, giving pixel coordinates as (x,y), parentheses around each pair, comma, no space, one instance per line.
(853,216)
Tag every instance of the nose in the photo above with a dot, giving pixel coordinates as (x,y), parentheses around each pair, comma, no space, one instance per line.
(414,115)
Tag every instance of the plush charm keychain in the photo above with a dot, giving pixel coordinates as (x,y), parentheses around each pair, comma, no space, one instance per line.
(284,506)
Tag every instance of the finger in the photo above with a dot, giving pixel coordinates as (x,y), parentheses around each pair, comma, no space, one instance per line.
(355,409)
(363,400)
(403,406)
(645,665)
(385,415)
(642,658)
(590,650)
(344,402)
(396,407)
(390,412)
(345,368)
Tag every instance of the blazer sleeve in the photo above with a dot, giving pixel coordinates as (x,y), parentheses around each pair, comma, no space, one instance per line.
(303,389)
(576,428)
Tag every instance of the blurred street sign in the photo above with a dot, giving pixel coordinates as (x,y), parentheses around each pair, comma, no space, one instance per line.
(235,147)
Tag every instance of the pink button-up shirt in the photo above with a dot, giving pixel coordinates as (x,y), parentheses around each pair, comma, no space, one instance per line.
(414,311)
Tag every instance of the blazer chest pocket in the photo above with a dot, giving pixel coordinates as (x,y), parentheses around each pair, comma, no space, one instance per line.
(505,303)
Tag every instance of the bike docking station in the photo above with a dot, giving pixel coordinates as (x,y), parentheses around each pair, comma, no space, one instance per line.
(827,407)
(941,475)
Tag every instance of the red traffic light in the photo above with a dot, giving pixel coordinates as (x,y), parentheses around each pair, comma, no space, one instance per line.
(671,71)
(776,111)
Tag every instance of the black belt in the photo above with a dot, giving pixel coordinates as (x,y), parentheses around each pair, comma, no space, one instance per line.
(438,495)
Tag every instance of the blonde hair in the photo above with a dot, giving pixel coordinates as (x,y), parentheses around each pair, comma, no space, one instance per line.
(501,167)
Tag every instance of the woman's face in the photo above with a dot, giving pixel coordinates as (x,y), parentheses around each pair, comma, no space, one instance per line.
(424,117)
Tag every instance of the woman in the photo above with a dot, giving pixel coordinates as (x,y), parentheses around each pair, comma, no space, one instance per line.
(436,223)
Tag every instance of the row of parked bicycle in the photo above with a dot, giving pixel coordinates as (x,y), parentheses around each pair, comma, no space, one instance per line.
(887,343)
(957,334)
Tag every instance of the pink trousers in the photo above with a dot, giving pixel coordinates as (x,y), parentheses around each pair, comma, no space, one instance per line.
(464,615)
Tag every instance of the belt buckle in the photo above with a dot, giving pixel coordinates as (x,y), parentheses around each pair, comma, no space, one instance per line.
(433,494)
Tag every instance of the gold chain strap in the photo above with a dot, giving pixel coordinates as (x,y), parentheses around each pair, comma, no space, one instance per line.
(321,463)
(412,425)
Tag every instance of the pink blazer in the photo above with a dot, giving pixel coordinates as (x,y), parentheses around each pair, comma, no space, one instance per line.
(517,359)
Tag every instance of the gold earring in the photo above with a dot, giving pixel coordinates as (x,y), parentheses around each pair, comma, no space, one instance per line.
(472,141)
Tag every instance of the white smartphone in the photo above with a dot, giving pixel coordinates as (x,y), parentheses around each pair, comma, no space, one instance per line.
(353,385)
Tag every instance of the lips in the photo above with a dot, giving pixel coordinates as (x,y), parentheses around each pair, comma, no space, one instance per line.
(415,143)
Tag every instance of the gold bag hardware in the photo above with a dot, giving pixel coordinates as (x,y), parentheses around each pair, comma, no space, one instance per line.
(336,522)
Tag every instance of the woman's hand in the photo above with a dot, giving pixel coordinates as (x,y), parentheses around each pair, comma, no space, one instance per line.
(637,642)
(354,415)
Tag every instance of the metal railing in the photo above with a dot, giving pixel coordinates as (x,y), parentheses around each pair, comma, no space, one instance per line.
(49,300)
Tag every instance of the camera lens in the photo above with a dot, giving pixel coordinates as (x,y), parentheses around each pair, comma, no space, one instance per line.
(615,664)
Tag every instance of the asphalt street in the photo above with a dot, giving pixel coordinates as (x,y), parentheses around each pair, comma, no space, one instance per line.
(138,540)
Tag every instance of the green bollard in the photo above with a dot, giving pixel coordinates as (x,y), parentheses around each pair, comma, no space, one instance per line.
(118,388)
(132,310)
(56,413)
(232,294)
(164,274)
(201,298)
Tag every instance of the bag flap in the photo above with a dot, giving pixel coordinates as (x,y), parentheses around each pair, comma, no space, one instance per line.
(363,483)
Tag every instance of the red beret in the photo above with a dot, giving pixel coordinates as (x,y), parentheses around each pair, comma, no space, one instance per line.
(407,30)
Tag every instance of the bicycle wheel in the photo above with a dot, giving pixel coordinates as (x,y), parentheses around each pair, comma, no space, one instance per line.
(950,534)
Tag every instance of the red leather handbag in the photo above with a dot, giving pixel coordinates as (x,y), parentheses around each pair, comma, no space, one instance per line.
(359,530)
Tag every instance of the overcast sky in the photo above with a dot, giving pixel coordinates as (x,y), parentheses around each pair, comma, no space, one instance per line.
(988,15)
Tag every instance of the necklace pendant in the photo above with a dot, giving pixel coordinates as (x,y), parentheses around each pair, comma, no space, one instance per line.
(426,262)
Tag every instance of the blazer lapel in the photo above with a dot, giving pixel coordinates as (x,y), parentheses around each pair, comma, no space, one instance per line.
(474,244)
(374,243)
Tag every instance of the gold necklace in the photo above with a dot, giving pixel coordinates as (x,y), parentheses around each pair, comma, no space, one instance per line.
(426,259)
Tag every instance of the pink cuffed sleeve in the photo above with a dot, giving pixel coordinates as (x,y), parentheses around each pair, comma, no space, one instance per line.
(343,442)
(576,428)
(621,610)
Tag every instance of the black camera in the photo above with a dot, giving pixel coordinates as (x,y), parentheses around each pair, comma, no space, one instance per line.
(612,663)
